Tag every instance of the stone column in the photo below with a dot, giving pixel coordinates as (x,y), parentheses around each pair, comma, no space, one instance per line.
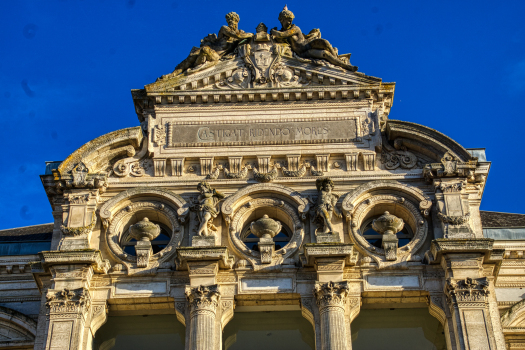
(331,299)
(203,302)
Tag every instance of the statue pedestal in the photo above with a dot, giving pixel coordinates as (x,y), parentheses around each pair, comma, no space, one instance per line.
(329,259)
(267,248)
(204,241)
(203,263)
(328,237)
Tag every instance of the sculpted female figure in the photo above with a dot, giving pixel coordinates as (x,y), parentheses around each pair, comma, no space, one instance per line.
(325,207)
(207,208)
(309,46)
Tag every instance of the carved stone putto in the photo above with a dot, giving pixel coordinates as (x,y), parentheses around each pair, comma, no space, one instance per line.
(207,208)
(326,206)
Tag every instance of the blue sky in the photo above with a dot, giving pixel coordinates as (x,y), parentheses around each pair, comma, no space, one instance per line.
(67,68)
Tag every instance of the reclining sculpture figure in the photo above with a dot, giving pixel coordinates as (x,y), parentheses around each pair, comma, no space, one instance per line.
(310,46)
(214,47)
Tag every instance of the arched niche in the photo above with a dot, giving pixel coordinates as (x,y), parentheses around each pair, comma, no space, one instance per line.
(371,200)
(16,329)
(279,203)
(159,205)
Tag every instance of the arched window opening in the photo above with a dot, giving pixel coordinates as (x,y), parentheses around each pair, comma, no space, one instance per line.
(407,329)
(375,238)
(280,240)
(268,330)
(140,332)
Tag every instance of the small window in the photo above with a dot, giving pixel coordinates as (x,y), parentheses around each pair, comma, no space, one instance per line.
(159,243)
(251,240)
(376,239)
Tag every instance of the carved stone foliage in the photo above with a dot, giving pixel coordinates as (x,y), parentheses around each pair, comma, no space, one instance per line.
(203,297)
(68,301)
(81,230)
(331,294)
(467,290)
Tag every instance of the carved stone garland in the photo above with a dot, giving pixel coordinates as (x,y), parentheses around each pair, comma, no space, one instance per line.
(124,215)
(239,221)
(378,254)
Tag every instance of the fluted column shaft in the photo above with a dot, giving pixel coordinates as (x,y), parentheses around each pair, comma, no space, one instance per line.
(203,302)
(331,299)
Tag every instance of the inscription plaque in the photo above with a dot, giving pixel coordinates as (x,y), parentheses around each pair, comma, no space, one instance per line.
(244,133)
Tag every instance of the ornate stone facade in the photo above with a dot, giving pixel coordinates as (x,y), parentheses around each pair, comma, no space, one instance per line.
(265,166)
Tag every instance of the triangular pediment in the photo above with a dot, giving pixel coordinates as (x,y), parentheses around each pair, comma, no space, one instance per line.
(262,67)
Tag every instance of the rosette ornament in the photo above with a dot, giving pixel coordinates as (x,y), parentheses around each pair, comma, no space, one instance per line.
(144,232)
(388,225)
(266,229)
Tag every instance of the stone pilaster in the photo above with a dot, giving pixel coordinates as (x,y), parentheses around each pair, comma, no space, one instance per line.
(468,291)
(203,302)
(331,299)
(68,302)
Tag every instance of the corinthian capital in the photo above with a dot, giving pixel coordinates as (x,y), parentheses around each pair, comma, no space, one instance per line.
(467,290)
(331,294)
(203,297)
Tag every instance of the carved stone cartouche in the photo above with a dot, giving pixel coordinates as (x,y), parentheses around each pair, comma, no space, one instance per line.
(388,225)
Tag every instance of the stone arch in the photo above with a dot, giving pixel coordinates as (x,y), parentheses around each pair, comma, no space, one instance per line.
(232,202)
(424,140)
(156,193)
(404,201)
(281,202)
(97,153)
(16,328)
(134,204)
(515,316)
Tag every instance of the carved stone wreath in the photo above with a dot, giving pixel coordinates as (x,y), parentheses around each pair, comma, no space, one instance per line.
(122,217)
(239,221)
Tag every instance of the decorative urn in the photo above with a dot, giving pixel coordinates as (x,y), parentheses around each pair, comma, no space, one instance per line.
(144,230)
(388,224)
(265,227)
